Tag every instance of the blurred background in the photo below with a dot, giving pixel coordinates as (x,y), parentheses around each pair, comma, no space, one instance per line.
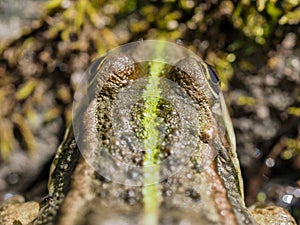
(45,47)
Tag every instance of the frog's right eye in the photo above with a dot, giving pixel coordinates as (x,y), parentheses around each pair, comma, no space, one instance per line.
(212,79)
(213,74)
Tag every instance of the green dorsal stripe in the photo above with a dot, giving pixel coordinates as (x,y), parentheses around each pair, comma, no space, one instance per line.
(151,143)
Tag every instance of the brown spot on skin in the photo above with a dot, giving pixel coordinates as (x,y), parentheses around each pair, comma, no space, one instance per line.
(208,132)
(193,194)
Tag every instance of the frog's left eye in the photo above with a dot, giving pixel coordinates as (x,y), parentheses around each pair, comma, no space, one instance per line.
(213,75)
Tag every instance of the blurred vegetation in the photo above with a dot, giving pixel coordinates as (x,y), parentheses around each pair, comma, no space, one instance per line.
(40,69)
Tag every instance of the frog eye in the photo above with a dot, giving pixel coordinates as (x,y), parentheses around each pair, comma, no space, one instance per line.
(212,79)
(213,75)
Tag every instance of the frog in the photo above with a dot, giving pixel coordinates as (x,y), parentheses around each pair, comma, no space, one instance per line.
(151,143)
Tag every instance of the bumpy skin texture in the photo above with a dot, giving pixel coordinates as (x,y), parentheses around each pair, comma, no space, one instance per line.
(195,195)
